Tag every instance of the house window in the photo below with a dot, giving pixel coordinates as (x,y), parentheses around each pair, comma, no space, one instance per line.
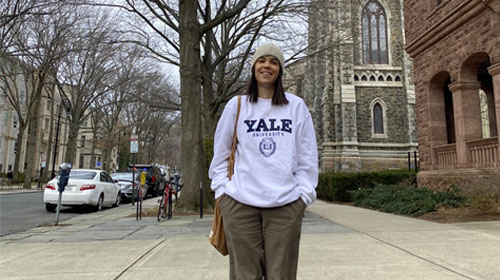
(14,123)
(81,162)
(374,25)
(378,119)
(82,142)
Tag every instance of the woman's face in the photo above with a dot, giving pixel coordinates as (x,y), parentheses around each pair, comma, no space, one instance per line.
(267,69)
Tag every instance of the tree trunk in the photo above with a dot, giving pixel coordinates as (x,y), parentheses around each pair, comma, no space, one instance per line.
(191,147)
(31,152)
(92,155)
(19,145)
(72,141)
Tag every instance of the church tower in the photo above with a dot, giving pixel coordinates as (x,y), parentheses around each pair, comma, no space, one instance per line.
(358,85)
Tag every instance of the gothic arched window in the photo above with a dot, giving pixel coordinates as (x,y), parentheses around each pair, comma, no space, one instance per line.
(378,119)
(374,34)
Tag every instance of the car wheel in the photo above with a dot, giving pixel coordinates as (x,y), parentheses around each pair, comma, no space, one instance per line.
(98,207)
(118,200)
(50,207)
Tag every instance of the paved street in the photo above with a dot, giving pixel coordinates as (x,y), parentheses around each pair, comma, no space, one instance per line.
(25,210)
(338,242)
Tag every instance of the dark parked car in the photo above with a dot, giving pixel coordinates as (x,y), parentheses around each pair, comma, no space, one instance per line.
(154,178)
(124,180)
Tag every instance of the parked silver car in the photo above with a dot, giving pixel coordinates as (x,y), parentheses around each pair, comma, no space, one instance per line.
(125,182)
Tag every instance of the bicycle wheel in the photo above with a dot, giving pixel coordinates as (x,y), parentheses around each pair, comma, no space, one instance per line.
(161,207)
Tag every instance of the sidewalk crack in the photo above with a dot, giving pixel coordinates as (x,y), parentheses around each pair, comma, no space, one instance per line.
(138,259)
(417,256)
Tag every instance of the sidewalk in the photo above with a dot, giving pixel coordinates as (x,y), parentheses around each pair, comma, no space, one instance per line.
(338,242)
(17,189)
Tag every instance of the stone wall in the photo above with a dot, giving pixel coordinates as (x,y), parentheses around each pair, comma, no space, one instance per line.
(469,181)
(396,114)
(421,15)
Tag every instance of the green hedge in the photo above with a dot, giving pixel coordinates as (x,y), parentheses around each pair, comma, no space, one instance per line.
(406,201)
(337,186)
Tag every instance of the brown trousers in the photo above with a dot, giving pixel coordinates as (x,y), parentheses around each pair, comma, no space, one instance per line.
(263,243)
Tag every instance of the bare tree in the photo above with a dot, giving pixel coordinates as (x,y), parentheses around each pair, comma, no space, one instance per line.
(182,28)
(40,43)
(86,73)
(13,14)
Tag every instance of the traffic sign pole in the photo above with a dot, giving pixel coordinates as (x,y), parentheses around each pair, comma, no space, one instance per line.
(134,149)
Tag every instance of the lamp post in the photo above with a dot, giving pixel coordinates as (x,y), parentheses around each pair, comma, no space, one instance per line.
(118,147)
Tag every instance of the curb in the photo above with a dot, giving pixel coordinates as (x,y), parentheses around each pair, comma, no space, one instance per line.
(8,192)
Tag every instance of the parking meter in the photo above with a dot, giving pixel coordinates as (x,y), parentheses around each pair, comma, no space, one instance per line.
(143,177)
(64,171)
(139,199)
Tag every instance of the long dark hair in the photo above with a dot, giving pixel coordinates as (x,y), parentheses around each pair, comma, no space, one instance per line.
(279,97)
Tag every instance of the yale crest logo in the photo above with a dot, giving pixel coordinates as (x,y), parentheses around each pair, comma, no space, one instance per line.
(267,146)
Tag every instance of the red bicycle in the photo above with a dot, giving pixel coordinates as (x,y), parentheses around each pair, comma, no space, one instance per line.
(165,202)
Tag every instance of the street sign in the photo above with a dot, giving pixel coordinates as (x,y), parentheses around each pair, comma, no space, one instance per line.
(43,159)
(134,144)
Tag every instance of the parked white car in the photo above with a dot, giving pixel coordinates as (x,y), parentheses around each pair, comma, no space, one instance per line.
(85,187)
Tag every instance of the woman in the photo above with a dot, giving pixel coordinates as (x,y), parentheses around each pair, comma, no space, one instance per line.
(275,173)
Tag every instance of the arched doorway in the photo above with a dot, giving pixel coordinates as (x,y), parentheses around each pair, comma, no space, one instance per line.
(442,122)
(473,95)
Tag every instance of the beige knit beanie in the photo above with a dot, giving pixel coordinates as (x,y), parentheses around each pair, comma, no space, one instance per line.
(268,49)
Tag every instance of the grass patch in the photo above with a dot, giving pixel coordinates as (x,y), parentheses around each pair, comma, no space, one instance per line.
(153,212)
(406,201)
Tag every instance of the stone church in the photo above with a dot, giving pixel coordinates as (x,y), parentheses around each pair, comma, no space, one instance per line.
(358,84)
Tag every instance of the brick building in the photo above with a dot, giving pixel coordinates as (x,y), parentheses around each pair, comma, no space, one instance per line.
(358,85)
(455,46)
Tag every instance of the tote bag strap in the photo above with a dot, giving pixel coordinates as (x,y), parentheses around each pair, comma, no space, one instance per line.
(235,141)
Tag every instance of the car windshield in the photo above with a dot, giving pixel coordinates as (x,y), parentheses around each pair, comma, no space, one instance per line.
(80,174)
(124,176)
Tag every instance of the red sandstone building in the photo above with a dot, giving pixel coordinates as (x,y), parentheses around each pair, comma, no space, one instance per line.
(455,46)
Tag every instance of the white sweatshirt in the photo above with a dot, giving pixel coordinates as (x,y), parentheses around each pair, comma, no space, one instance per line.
(276,158)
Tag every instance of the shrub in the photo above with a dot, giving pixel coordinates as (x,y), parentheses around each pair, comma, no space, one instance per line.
(406,201)
(485,202)
(337,186)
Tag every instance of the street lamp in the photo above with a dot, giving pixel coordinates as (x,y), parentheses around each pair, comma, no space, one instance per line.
(118,147)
